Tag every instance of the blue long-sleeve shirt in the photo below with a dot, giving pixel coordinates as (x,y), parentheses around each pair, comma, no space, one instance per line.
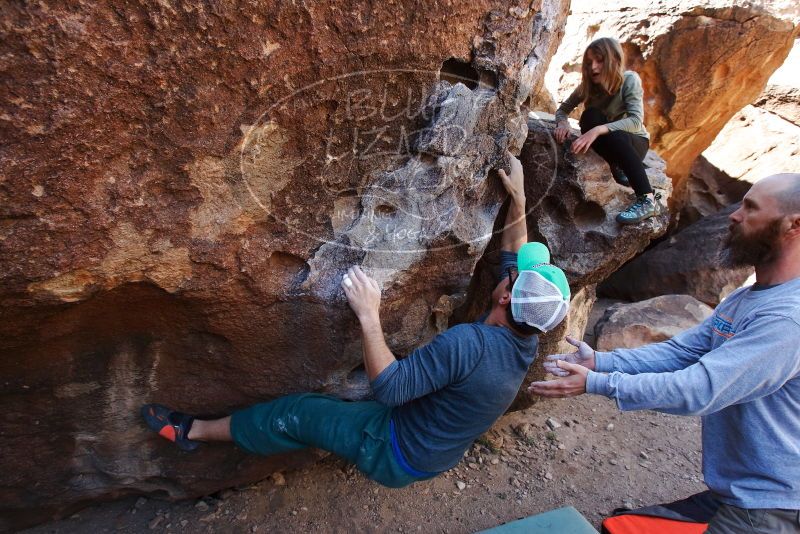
(740,371)
(450,391)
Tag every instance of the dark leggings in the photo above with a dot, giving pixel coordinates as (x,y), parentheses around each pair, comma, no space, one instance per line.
(620,149)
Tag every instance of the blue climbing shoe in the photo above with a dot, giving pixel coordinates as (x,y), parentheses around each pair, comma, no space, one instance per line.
(642,208)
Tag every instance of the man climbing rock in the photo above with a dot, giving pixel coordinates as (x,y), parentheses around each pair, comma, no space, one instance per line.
(430,406)
(739,370)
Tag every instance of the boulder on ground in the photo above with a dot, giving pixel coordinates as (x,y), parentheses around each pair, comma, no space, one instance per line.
(688,262)
(631,325)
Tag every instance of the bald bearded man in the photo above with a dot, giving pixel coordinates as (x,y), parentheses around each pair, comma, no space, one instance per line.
(739,370)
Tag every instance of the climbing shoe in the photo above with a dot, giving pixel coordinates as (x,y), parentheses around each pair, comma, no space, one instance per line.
(642,208)
(619,176)
(172,425)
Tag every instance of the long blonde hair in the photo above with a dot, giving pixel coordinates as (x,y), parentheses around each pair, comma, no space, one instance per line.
(610,50)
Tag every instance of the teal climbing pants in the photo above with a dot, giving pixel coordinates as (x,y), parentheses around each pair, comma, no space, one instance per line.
(356,431)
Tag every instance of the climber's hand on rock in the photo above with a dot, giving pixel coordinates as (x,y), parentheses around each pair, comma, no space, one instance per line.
(562,131)
(363,293)
(514,181)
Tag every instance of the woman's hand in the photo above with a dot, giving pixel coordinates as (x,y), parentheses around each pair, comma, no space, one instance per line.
(581,145)
(562,131)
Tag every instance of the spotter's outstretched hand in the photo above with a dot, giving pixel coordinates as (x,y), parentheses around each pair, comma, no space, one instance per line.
(572,385)
(583,356)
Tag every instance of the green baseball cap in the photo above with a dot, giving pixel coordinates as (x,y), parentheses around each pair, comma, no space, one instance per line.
(555,276)
(532,254)
(535,256)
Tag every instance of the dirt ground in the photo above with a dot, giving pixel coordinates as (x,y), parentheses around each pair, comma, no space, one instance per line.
(596,459)
(581,452)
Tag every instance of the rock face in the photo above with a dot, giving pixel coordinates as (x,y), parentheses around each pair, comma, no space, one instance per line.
(572,202)
(700,62)
(649,321)
(755,144)
(761,139)
(782,94)
(708,190)
(687,261)
(781,100)
(183,188)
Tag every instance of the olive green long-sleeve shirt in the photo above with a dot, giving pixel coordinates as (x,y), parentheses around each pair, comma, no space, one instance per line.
(625,109)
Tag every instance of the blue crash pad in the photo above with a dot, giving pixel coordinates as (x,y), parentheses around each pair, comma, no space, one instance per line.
(560,521)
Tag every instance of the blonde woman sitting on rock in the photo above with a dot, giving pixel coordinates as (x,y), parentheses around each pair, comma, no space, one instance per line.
(612,122)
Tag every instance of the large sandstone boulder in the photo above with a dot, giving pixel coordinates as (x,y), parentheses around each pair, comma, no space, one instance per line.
(761,139)
(649,321)
(183,187)
(700,62)
(572,203)
(688,262)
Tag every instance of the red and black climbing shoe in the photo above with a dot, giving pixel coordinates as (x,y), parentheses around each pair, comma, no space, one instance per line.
(169,424)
